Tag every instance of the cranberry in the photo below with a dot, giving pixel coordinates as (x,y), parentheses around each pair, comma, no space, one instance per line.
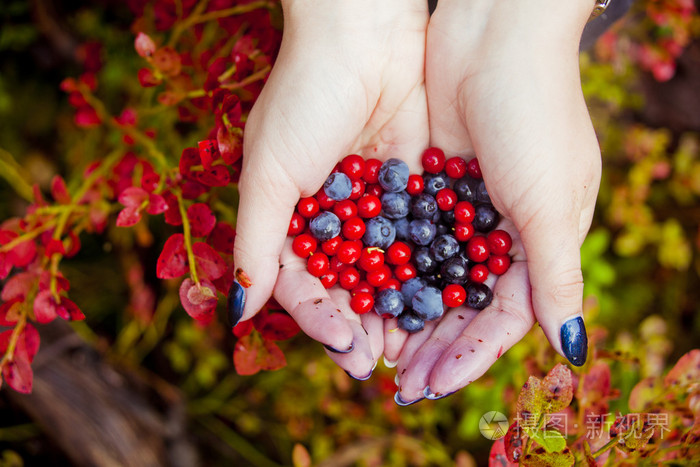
(358,189)
(404,272)
(499,242)
(371,259)
(349,251)
(433,160)
(329,279)
(498,264)
(353,166)
(392,283)
(363,286)
(349,278)
(324,201)
(473,168)
(308,207)
(415,185)
(463,232)
(354,228)
(398,253)
(375,189)
(455,167)
(446,199)
(296,224)
(454,295)
(379,276)
(371,174)
(477,249)
(345,209)
(304,245)
(464,212)
(478,273)
(361,302)
(369,206)
(336,264)
(318,264)
(330,247)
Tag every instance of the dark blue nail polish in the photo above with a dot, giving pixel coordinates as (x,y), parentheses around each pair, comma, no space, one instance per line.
(403,403)
(235,303)
(435,396)
(334,350)
(357,378)
(574,341)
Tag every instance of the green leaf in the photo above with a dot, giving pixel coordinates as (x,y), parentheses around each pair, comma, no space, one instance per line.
(541,458)
(551,440)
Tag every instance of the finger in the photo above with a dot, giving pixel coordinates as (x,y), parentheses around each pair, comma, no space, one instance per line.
(394,339)
(411,346)
(492,332)
(309,303)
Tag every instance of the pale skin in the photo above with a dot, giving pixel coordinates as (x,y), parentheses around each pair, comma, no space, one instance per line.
(494,79)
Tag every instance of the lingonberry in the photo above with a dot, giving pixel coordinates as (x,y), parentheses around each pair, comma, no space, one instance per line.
(349,278)
(479,273)
(455,167)
(325,202)
(296,225)
(473,168)
(379,276)
(498,264)
(477,249)
(463,232)
(345,209)
(374,189)
(318,264)
(404,272)
(370,259)
(371,174)
(349,251)
(336,264)
(464,212)
(358,189)
(369,206)
(308,207)
(433,160)
(446,199)
(354,228)
(454,295)
(329,279)
(398,253)
(331,246)
(353,166)
(362,302)
(392,283)
(363,286)
(304,245)
(499,242)
(415,185)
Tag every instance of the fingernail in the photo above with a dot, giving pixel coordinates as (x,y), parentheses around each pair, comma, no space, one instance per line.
(334,350)
(403,403)
(435,396)
(389,363)
(574,341)
(396,379)
(235,303)
(359,379)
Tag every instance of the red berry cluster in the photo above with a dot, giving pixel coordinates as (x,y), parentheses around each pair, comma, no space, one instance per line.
(344,259)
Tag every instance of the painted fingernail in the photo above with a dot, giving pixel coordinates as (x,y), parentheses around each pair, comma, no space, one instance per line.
(403,403)
(389,363)
(334,350)
(396,379)
(435,396)
(235,302)
(357,378)
(574,341)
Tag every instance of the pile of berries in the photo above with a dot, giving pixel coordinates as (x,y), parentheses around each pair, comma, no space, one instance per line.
(404,245)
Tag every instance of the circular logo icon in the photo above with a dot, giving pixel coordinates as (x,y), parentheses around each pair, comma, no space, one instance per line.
(493,425)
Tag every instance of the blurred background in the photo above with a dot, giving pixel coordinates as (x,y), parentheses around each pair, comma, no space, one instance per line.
(139,382)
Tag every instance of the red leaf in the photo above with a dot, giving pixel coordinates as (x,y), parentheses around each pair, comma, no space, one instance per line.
(253,354)
(133,196)
(230,145)
(59,192)
(243,278)
(19,375)
(199,301)
(498,457)
(685,371)
(129,216)
(54,246)
(188,159)
(192,189)
(5,266)
(147,78)
(172,261)
(172,214)
(74,246)
(45,307)
(28,343)
(22,254)
(243,328)
(18,286)
(5,340)
(68,310)
(207,152)
(216,176)
(202,219)
(209,263)
(144,45)
(86,117)
(513,442)
(278,327)
(156,204)
(222,237)
(9,312)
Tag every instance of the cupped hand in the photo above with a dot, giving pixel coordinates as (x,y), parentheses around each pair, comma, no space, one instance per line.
(503,84)
(349,78)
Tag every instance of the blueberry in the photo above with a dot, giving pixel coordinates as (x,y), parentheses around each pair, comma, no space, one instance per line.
(380,232)
(485,217)
(434,182)
(410,287)
(465,188)
(441,229)
(424,262)
(434,280)
(325,226)
(395,205)
(444,247)
(410,322)
(393,175)
(338,186)
(427,303)
(482,196)
(479,296)
(447,217)
(421,231)
(388,303)
(423,206)
(455,270)
(401,226)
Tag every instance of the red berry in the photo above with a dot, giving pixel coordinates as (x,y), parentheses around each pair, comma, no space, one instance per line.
(336,264)
(296,224)
(303,245)
(361,303)
(404,272)
(375,189)
(324,202)
(455,167)
(446,199)
(464,212)
(349,251)
(345,209)
(473,168)
(392,283)
(372,258)
(358,189)
(371,174)
(433,160)
(398,253)
(369,206)
(477,249)
(318,264)
(354,229)
(330,247)
(454,295)
(498,264)
(363,286)
(464,232)
(308,207)
(379,276)
(499,242)
(415,185)
(353,166)
(478,273)
(329,279)
(349,278)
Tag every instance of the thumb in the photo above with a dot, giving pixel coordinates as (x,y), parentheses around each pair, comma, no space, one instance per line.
(266,203)
(554,264)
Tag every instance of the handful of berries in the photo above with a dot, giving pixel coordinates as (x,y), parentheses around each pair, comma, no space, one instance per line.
(405,245)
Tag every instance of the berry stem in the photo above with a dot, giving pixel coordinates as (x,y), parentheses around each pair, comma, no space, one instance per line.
(186,232)
(258,75)
(12,344)
(11,171)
